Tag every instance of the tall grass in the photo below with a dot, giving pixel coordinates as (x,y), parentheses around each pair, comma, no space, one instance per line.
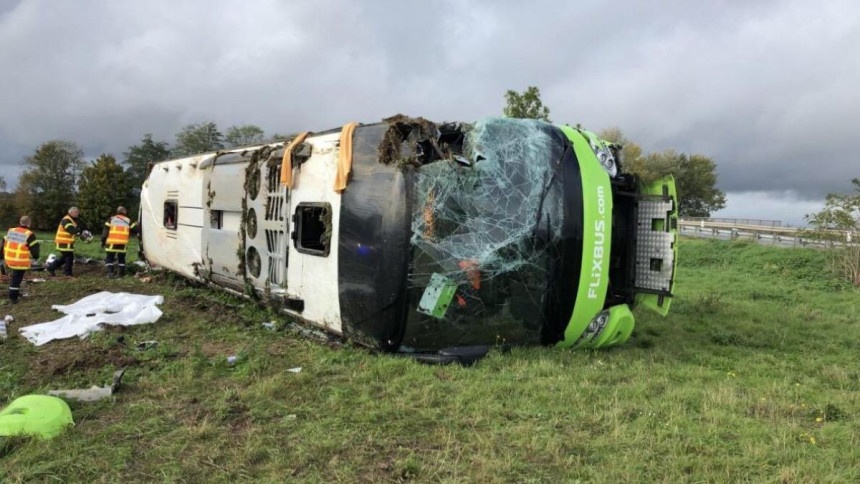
(753,377)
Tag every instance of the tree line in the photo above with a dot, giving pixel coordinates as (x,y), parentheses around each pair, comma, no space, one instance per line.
(57,176)
(695,174)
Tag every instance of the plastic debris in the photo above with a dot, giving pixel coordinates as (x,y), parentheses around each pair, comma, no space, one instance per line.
(297,369)
(91,313)
(3,329)
(231,360)
(37,415)
(271,325)
(146,345)
(94,393)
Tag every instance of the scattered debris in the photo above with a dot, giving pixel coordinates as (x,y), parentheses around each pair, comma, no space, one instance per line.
(94,393)
(140,346)
(92,312)
(37,415)
(146,279)
(462,355)
(3,328)
(8,318)
(5,278)
(231,360)
(146,345)
(311,333)
(271,325)
(297,369)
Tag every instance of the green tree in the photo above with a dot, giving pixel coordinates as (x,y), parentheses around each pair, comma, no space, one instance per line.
(632,158)
(46,188)
(841,213)
(278,137)
(695,177)
(839,218)
(199,138)
(138,158)
(8,211)
(244,135)
(526,105)
(104,186)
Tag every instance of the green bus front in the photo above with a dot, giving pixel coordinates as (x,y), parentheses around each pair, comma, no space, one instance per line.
(507,232)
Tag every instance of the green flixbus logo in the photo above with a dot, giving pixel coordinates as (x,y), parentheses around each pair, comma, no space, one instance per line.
(596,239)
(599,245)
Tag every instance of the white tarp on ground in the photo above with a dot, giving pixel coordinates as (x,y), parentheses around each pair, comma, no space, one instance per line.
(90,313)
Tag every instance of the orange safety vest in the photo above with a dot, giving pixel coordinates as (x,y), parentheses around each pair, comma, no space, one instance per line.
(63,239)
(117,239)
(16,250)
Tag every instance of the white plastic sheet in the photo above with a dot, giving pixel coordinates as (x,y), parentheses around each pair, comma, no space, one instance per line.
(92,312)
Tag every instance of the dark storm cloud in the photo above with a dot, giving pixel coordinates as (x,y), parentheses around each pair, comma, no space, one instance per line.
(768,89)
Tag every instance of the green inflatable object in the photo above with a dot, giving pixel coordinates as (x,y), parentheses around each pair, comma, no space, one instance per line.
(38,415)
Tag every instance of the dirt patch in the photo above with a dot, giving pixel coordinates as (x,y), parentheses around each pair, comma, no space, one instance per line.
(80,356)
(234,412)
(409,141)
(217,348)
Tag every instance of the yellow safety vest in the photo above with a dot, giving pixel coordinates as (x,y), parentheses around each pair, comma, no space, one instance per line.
(16,251)
(117,239)
(63,239)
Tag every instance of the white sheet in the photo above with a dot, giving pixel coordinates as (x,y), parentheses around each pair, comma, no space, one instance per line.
(90,313)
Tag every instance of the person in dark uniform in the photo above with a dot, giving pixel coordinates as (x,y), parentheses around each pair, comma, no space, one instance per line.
(115,237)
(19,246)
(70,227)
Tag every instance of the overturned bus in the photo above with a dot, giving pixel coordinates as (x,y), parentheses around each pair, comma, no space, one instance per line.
(413,236)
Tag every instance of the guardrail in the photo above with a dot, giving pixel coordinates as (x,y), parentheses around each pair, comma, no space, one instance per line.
(781,236)
(739,221)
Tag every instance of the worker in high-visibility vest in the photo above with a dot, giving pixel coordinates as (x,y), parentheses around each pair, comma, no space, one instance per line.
(70,227)
(19,246)
(115,237)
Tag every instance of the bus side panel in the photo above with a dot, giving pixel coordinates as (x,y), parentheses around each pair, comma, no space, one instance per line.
(374,245)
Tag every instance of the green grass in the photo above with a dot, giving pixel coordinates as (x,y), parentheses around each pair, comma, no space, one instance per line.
(753,376)
(83,249)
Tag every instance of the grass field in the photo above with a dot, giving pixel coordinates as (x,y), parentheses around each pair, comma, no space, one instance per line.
(753,377)
(83,250)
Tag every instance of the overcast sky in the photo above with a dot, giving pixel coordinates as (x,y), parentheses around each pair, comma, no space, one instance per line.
(769,89)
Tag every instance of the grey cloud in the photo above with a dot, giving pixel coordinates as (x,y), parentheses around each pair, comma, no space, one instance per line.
(785,206)
(765,88)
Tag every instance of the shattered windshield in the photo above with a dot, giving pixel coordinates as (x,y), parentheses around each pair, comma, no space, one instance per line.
(483,228)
